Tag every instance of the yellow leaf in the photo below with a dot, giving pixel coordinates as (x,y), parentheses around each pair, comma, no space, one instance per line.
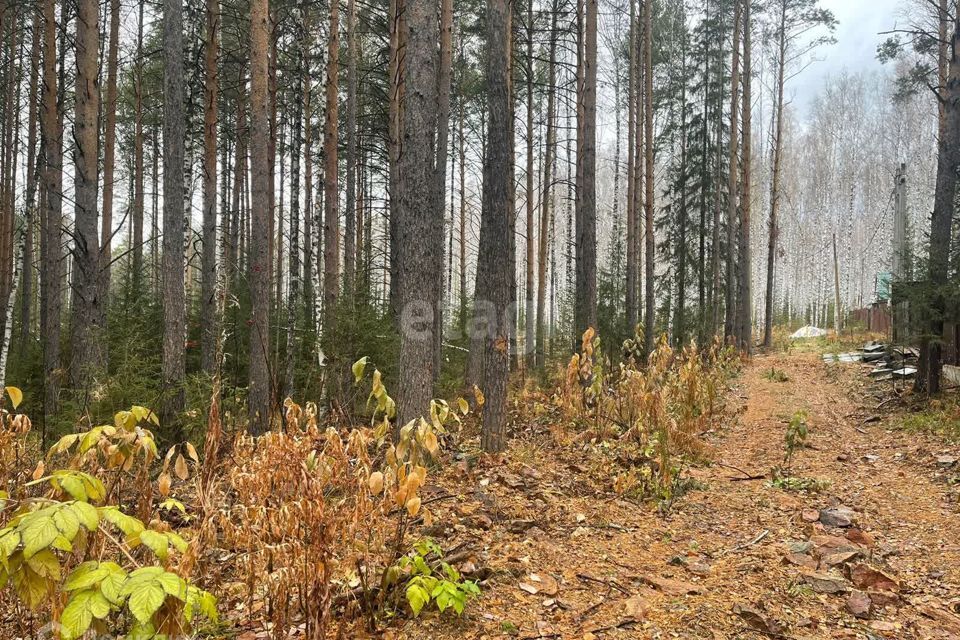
(358,368)
(192,452)
(478,395)
(376,482)
(38,472)
(431,443)
(413,505)
(180,467)
(16,396)
(464,406)
(164,484)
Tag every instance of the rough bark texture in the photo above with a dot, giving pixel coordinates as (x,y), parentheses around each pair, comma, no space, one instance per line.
(546,203)
(941,223)
(744,323)
(444,77)
(496,261)
(174,299)
(395,87)
(331,182)
(87,323)
(109,154)
(422,245)
(529,197)
(350,228)
(30,200)
(586,209)
(261,211)
(729,308)
(209,320)
(648,201)
(136,212)
(777,153)
(50,252)
(632,307)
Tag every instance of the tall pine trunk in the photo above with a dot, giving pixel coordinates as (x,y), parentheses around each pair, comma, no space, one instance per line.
(51,135)
(350,246)
(86,337)
(261,212)
(941,223)
(137,210)
(496,259)
(546,204)
(174,298)
(209,322)
(632,306)
(729,310)
(331,182)
(444,78)
(30,200)
(109,154)
(529,197)
(744,324)
(421,255)
(586,205)
(777,154)
(648,200)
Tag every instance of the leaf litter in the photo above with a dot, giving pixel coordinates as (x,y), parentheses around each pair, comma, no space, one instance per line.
(560,555)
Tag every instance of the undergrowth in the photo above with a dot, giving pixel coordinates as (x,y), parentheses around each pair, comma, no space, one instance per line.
(939,417)
(650,412)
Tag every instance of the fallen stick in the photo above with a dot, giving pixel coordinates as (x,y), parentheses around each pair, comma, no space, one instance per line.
(763,534)
(746,475)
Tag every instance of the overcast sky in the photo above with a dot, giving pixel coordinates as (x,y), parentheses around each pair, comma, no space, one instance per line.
(857,38)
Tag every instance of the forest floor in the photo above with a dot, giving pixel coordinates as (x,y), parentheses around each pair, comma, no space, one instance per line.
(564,557)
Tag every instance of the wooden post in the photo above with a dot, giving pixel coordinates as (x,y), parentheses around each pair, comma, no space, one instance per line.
(899,263)
(900,223)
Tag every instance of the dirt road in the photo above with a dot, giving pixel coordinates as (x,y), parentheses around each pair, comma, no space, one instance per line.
(734,558)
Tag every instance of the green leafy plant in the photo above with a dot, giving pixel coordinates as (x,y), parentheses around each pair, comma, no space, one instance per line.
(440,585)
(795,439)
(796,436)
(60,545)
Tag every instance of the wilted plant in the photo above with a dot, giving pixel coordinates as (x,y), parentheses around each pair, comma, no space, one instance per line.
(319,515)
(660,404)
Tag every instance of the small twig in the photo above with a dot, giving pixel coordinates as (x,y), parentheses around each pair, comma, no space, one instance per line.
(623,624)
(596,605)
(612,584)
(446,496)
(763,534)
(771,634)
(119,546)
(888,400)
(747,476)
